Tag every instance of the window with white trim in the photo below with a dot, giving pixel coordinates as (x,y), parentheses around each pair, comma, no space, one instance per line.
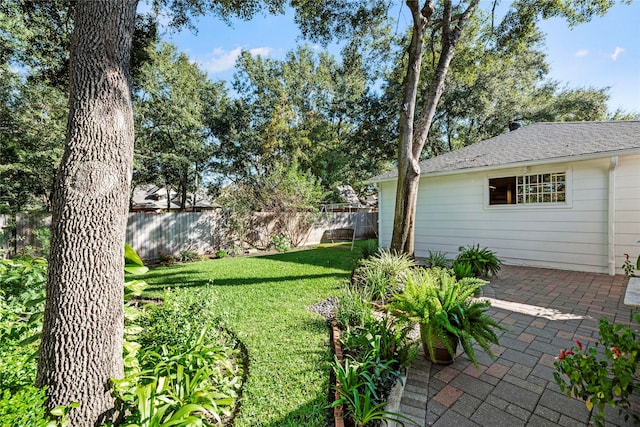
(528,189)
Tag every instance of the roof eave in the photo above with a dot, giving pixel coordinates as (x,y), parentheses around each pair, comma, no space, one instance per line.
(530,163)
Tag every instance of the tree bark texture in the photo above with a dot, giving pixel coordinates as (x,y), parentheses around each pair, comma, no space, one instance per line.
(412,135)
(83,323)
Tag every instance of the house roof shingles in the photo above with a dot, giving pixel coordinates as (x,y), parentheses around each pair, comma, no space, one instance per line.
(536,143)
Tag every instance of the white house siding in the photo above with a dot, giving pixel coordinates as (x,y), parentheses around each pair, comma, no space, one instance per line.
(453,210)
(627,203)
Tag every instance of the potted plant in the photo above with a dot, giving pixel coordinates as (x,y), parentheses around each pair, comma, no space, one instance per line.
(447,313)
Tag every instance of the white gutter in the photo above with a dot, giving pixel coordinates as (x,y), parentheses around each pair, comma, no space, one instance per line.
(612,216)
(530,163)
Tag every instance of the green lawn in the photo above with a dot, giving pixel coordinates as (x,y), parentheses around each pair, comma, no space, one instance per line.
(264,301)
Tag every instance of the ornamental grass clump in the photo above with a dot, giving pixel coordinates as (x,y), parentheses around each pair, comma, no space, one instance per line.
(604,374)
(382,275)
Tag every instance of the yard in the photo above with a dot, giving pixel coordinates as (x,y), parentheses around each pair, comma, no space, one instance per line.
(264,300)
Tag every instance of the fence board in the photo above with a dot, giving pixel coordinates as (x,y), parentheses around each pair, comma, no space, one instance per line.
(156,234)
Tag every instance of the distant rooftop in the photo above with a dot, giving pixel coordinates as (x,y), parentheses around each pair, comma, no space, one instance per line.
(552,141)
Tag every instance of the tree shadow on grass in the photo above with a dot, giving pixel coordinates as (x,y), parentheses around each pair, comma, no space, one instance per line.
(334,257)
(178,281)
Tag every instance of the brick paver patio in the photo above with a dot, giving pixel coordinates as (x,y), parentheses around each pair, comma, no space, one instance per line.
(544,311)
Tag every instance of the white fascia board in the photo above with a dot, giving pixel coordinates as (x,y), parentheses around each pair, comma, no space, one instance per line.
(582,157)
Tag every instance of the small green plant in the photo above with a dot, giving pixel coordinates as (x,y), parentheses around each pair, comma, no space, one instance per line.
(628,266)
(437,259)
(166,259)
(369,248)
(352,309)
(604,374)
(484,262)
(221,253)
(280,242)
(386,338)
(363,387)
(189,256)
(462,269)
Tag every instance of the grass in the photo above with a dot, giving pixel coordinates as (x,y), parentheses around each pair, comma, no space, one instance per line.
(264,301)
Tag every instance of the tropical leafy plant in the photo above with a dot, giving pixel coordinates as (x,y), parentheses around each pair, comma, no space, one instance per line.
(484,262)
(604,374)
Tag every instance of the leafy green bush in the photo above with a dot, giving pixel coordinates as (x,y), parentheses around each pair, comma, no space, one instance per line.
(280,242)
(483,261)
(22,284)
(187,370)
(182,385)
(189,256)
(382,275)
(221,253)
(604,374)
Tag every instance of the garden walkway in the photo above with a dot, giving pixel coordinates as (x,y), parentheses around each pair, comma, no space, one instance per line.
(544,311)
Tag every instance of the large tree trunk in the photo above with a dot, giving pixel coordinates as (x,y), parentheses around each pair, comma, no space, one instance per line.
(412,140)
(83,323)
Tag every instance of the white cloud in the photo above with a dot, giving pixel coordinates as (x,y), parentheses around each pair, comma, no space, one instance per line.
(582,53)
(616,53)
(221,60)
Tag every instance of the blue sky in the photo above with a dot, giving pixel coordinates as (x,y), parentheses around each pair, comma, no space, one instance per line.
(602,53)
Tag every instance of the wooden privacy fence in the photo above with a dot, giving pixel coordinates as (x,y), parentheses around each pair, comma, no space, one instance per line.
(156,234)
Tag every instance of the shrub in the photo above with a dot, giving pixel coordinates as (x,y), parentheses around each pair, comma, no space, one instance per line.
(604,374)
(483,261)
(189,256)
(221,253)
(382,275)
(280,243)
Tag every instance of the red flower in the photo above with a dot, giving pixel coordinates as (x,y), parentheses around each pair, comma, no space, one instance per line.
(568,352)
(562,355)
(579,344)
(616,352)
